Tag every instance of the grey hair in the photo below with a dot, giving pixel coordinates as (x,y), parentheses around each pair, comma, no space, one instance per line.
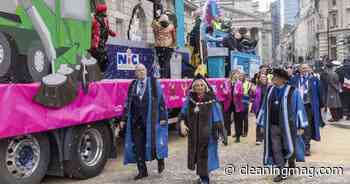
(141,65)
(205,84)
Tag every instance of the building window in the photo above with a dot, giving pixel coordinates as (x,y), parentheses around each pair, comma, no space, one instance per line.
(333,48)
(137,29)
(348,13)
(334,19)
(120,28)
(334,2)
(333,41)
(120,5)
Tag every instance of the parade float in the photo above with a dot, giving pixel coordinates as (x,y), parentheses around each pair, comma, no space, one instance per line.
(210,56)
(56,116)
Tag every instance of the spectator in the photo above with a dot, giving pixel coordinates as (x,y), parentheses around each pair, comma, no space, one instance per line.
(333,89)
(344,77)
(230,110)
(259,93)
(241,101)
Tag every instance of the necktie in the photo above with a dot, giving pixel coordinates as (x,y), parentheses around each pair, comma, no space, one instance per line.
(141,88)
(304,83)
(304,87)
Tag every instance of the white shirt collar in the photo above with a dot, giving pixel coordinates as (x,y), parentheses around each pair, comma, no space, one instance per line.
(144,80)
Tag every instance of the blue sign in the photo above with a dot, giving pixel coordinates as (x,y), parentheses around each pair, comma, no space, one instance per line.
(247,63)
(127,60)
(122,61)
(180,16)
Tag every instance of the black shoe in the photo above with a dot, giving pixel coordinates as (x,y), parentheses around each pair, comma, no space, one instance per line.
(307,153)
(204,180)
(140,176)
(237,140)
(291,164)
(244,135)
(161,166)
(279,178)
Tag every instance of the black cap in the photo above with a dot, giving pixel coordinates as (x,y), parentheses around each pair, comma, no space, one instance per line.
(200,77)
(263,66)
(280,73)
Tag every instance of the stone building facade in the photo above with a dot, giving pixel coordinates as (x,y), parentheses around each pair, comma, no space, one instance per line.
(334,29)
(305,46)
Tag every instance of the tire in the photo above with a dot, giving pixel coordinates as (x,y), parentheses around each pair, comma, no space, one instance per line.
(37,63)
(19,146)
(7,55)
(94,160)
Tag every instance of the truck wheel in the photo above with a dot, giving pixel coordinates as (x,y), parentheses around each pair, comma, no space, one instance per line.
(6,55)
(24,160)
(38,64)
(90,150)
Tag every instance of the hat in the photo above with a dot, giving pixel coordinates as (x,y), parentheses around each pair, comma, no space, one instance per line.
(280,73)
(201,78)
(164,17)
(209,90)
(263,66)
(100,8)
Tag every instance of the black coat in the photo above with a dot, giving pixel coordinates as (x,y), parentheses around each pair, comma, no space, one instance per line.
(203,130)
(344,72)
(231,43)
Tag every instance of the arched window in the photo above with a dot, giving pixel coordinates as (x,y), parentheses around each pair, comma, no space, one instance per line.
(254,33)
(137,30)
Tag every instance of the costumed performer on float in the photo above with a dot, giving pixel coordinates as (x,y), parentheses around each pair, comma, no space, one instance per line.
(100,33)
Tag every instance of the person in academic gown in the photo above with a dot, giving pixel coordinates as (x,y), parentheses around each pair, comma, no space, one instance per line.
(146,119)
(283,118)
(202,120)
(309,87)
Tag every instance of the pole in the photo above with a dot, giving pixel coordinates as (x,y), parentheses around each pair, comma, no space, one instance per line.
(328,39)
(180,30)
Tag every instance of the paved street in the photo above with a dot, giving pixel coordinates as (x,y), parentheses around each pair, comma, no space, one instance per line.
(333,151)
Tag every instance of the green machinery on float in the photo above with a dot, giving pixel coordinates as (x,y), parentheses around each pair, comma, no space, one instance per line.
(34,33)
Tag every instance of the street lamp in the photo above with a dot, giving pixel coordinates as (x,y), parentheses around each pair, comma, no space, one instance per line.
(328,39)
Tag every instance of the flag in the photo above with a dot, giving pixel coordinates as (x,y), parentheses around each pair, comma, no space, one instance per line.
(211,11)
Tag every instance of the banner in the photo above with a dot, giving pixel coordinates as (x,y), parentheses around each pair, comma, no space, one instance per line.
(247,63)
(122,61)
(105,100)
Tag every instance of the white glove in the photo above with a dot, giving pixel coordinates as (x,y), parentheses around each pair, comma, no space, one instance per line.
(184,128)
(300,131)
(121,124)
